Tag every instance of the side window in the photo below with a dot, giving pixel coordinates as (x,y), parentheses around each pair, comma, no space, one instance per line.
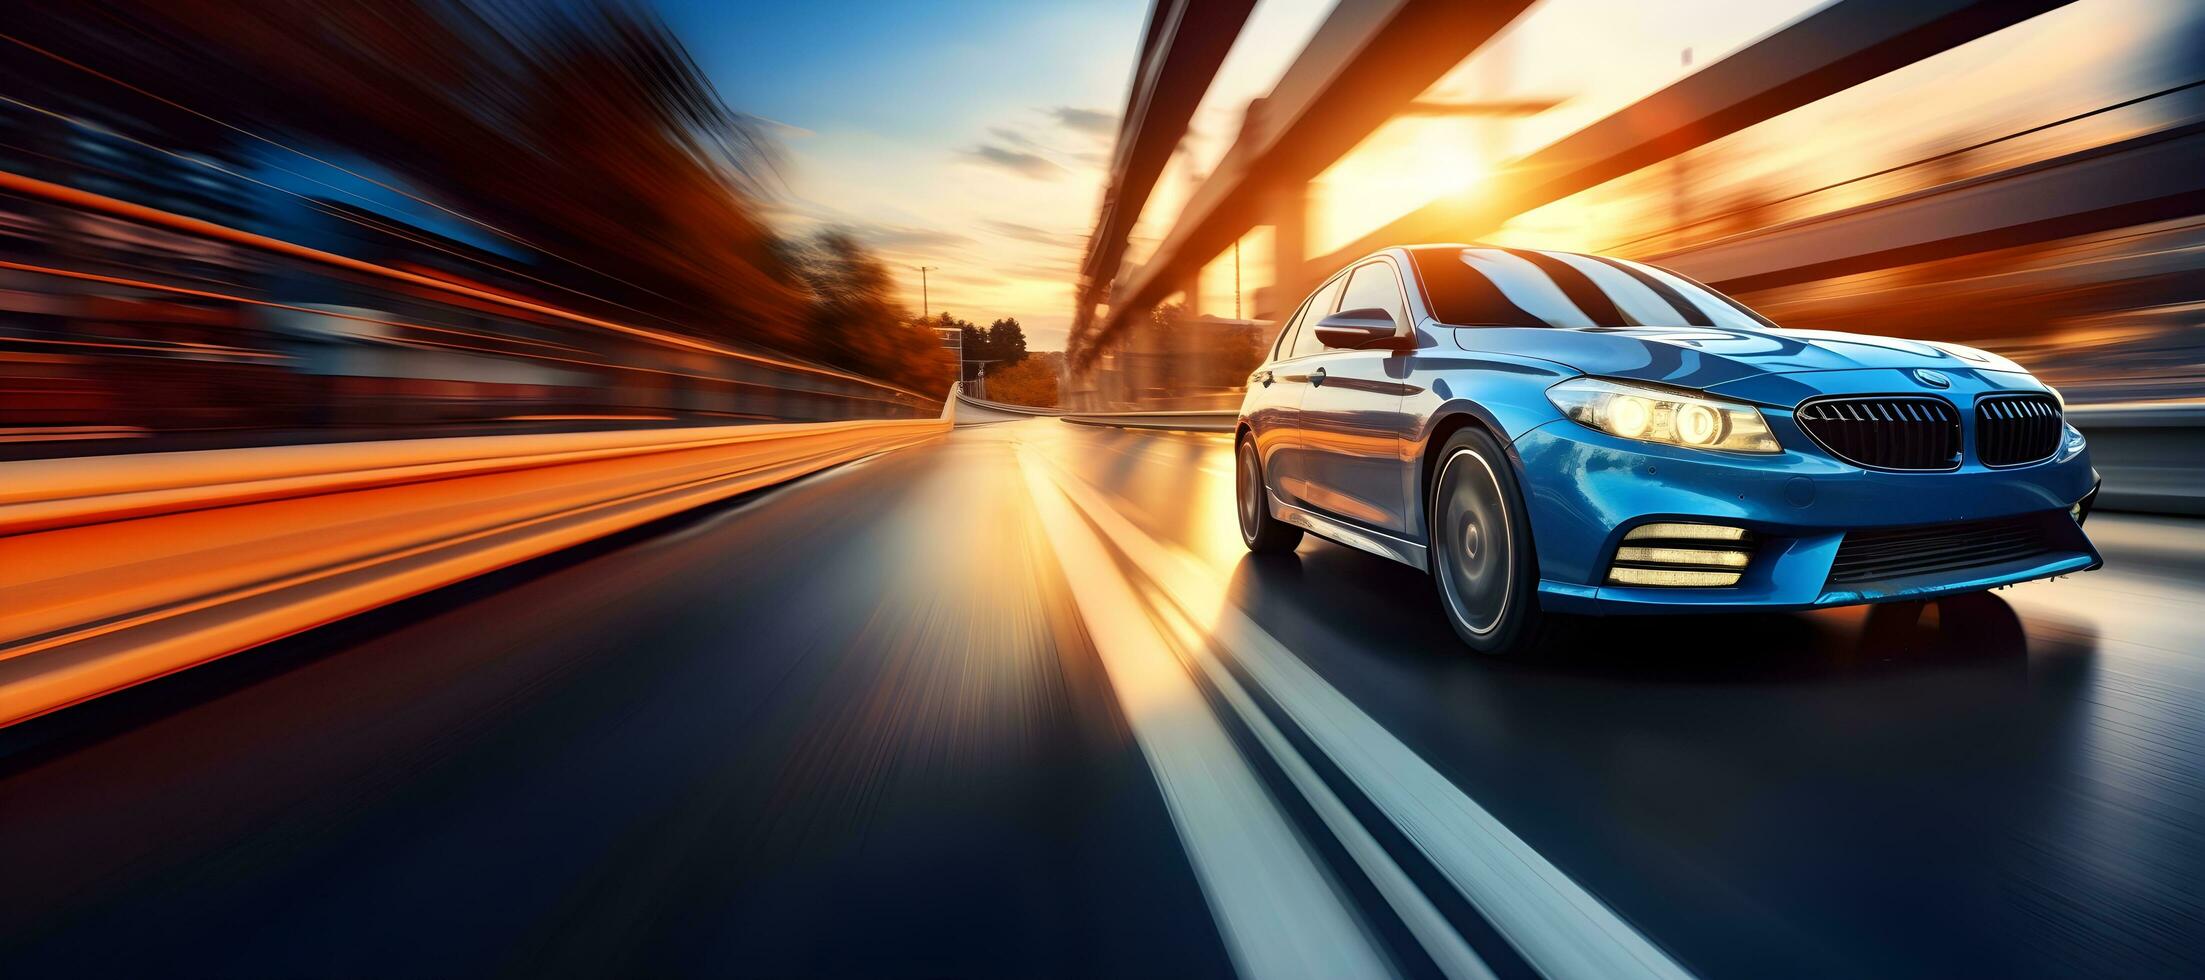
(1320,306)
(1285,341)
(1373,286)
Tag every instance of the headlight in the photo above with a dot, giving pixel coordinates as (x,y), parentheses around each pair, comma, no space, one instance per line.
(1658,415)
(2071,442)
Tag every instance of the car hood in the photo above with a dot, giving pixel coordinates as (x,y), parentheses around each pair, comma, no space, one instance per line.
(1703,357)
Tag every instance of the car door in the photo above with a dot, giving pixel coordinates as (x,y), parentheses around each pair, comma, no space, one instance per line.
(1271,404)
(1289,382)
(1350,418)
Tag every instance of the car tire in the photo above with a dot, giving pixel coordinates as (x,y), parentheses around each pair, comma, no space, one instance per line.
(1262,533)
(1482,555)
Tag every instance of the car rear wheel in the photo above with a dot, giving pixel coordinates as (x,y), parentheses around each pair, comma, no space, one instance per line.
(1261,532)
(1481,549)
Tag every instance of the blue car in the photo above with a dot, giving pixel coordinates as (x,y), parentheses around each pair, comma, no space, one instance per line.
(1550,432)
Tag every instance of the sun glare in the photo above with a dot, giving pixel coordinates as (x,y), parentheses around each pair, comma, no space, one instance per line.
(1408,163)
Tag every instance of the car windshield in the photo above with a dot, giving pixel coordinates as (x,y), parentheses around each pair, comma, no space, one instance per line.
(1521,287)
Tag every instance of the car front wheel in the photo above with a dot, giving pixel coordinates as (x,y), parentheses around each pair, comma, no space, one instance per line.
(1481,549)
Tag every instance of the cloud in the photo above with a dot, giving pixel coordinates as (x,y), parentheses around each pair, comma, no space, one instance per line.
(902,239)
(775,127)
(1093,122)
(970,279)
(1014,137)
(1018,162)
(1061,271)
(1029,233)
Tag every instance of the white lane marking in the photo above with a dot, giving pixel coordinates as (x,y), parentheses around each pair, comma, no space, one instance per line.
(1441,942)
(1559,928)
(1277,910)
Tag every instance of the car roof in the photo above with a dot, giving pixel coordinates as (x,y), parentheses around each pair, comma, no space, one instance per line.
(1405,250)
(1439,246)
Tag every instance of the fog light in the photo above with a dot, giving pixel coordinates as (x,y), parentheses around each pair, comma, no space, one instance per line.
(1624,575)
(1682,555)
(2081,511)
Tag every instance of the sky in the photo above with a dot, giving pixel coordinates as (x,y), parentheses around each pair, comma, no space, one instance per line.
(969,136)
(972,135)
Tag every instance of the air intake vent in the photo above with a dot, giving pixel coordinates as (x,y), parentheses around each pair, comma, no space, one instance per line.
(1909,552)
(1888,432)
(2012,430)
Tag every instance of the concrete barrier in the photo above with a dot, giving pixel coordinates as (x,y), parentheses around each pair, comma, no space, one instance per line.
(117,570)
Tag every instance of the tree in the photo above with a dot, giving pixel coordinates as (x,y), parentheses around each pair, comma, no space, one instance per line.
(975,338)
(1030,381)
(1006,341)
(1167,315)
(854,320)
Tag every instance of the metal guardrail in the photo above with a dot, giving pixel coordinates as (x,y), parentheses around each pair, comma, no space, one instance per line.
(117,570)
(1221,420)
(1007,408)
(1217,421)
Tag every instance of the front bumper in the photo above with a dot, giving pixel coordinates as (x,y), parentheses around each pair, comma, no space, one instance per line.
(1584,489)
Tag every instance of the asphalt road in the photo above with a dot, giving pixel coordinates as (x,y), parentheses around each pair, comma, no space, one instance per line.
(1015,702)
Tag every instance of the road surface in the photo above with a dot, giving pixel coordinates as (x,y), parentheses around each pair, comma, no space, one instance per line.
(1016,702)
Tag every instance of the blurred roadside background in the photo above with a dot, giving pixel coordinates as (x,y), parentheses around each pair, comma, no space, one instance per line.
(232,223)
(227,223)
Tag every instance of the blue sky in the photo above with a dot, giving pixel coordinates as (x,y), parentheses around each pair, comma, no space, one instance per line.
(962,135)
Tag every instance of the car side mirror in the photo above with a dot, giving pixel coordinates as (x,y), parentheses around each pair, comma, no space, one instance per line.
(1360,330)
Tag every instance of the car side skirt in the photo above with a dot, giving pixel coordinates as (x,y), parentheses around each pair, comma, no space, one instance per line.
(1362,539)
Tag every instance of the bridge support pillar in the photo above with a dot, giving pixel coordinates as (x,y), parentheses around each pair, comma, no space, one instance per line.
(1289,214)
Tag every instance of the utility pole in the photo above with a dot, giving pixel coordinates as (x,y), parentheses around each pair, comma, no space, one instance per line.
(1236,278)
(925,311)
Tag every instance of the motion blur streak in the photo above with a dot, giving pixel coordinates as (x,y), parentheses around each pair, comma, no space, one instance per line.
(1560,929)
(29,187)
(123,569)
(1277,911)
